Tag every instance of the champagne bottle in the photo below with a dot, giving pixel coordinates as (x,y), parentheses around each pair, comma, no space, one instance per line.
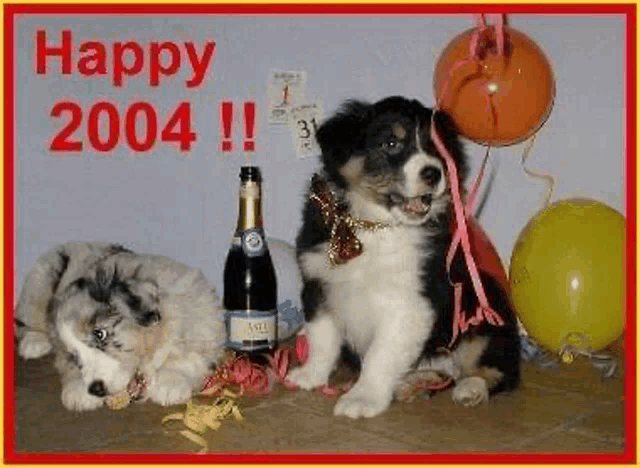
(250,289)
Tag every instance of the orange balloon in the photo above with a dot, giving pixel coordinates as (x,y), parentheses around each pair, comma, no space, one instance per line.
(496,100)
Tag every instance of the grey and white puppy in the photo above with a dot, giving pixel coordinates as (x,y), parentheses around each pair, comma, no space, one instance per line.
(110,315)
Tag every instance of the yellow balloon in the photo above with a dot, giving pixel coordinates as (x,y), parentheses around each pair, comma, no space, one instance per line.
(567,274)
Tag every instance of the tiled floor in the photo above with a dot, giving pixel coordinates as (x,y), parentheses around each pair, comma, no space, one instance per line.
(566,409)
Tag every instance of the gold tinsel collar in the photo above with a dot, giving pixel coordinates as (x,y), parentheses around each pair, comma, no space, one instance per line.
(343,242)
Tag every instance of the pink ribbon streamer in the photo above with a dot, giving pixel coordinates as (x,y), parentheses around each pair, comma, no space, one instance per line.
(484,311)
(461,235)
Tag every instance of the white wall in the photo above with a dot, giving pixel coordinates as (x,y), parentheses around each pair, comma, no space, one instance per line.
(185,205)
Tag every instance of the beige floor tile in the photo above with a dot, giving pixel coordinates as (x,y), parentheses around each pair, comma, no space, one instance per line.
(571,442)
(282,428)
(603,422)
(563,410)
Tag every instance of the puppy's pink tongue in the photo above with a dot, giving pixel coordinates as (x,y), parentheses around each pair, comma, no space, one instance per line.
(415,205)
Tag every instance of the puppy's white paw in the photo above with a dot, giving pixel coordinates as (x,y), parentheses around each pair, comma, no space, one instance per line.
(34,345)
(471,391)
(360,403)
(306,377)
(170,388)
(76,397)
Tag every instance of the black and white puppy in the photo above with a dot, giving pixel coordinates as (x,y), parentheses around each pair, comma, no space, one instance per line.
(372,249)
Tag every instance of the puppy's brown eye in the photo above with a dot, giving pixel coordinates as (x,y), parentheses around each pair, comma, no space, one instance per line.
(100,334)
(392,147)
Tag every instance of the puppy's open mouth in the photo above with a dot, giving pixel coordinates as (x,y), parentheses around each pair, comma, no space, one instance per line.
(416,206)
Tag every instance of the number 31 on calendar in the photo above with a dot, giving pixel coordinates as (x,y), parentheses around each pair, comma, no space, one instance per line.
(304,120)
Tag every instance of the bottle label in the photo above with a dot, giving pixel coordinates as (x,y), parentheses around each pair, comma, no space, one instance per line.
(253,243)
(249,330)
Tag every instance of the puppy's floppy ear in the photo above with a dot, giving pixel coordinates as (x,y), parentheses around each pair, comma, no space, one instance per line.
(143,301)
(343,134)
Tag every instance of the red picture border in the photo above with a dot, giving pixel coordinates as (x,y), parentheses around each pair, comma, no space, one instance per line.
(14,11)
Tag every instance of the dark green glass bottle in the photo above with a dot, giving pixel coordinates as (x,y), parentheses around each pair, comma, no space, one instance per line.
(250,287)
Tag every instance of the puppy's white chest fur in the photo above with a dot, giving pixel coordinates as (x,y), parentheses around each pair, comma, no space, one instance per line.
(378,292)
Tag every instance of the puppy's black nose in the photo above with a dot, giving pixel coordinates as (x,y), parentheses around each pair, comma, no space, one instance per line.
(97,388)
(431,174)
